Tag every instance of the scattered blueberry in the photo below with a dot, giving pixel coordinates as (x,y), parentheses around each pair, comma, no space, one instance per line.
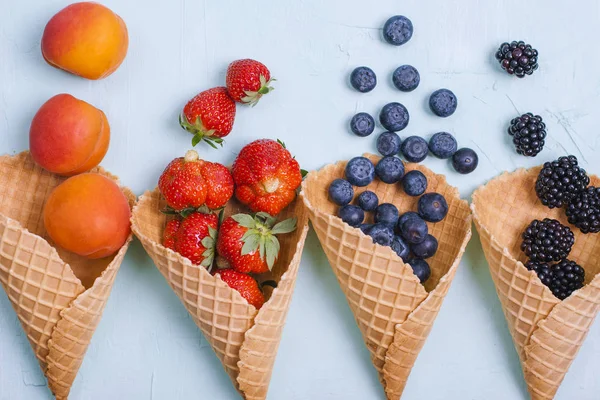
(443,103)
(397,30)
(394,117)
(465,161)
(352,215)
(390,169)
(363,79)
(433,207)
(382,234)
(341,192)
(365,228)
(368,201)
(388,144)
(406,78)
(414,230)
(360,171)
(427,248)
(414,183)
(443,145)
(401,248)
(414,149)
(386,213)
(421,269)
(405,217)
(362,124)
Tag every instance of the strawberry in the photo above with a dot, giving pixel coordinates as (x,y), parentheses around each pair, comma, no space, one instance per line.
(248,80)
(169,233)
(209,116)
(195,238)
(249,243)
(245,285)
(219,184)
(266,176)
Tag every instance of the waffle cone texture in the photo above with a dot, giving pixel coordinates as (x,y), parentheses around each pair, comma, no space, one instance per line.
(393,310)
(547,332)
(58,296)
(245,339)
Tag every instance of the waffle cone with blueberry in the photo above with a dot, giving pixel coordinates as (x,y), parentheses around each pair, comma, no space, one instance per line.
(393,310)
(547,331)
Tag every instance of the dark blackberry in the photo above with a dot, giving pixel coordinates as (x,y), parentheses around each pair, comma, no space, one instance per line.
(559,181)
(583,210)
(566,277)
(542,270)
(547,241)
(517,58)
(528,132)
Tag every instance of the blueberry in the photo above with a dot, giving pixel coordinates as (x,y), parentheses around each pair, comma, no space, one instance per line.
(442,145)
(386,213)
(388,144)
(352,215)
(414,230)
(465,161)
(433,207)
(394,117)
(397,30)
(421,269)
(362,124)
(427,248)
(363,79)
(365,228)
(360,171)
(414,149)
(443,103)
(390,169)
(405,217)
(414,183)
(368,201)
(382,234)
(401,248)
(406,78)
(341,192)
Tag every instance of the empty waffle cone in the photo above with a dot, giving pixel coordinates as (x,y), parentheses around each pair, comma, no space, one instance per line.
(58,296)
(393,310)
(547,332)
(244,339)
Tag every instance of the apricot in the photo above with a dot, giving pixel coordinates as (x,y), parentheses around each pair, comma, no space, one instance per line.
(86,39)
(68,136)
(88,215)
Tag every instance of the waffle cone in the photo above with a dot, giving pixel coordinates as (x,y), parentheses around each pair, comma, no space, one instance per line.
(244,339)
(393,310)
(547,332)
(58,296)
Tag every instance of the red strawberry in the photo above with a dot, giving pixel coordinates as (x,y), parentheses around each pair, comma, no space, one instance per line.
(248,80)
(209,116)
(195,239)
(245,285)
(219,184)
(266,176)
(169,233)
(249,243)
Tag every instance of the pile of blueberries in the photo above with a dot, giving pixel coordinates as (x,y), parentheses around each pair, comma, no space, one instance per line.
(407,234)
(394,116)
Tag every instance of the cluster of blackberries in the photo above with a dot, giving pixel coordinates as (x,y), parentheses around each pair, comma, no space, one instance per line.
(517,58)
(407,234)
(563,183)
(549,241)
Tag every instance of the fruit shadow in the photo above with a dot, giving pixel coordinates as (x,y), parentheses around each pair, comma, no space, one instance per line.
(480,273)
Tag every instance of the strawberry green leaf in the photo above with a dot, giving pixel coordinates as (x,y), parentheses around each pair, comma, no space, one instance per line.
(244,220)
(287,226)
(186,212)
(210,143)
(281,143)
(271,254)
(251,243)
(221,216)
(196,139)
(261,248)
(303,172)
(169,211)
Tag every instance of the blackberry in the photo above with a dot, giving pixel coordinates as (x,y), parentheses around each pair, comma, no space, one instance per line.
(583,210)
(560,180)
(528,132)
(566,277)
(542,270)
(547,241)
(517,58)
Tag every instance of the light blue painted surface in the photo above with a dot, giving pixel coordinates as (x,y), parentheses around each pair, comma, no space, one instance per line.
(146,346)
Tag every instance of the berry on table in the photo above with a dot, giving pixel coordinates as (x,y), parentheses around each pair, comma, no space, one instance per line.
(546,241)
(248,80)
(352,215)
(427,248)
(341,192)
(360,171)
(397,30)
(443,145)
(386,213)
(401,248)
(394,117)
(390,169)
(362,124)
(414,230)
(432,207)
(421,269)
(406,78)
(363,79)
(414,149)
(465,160)
(381,234)
(566,277)
(583,210)
(517,58)
(529,134)
(368,200)
(443,103)
(388,144)
(414,183)
(560,180)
